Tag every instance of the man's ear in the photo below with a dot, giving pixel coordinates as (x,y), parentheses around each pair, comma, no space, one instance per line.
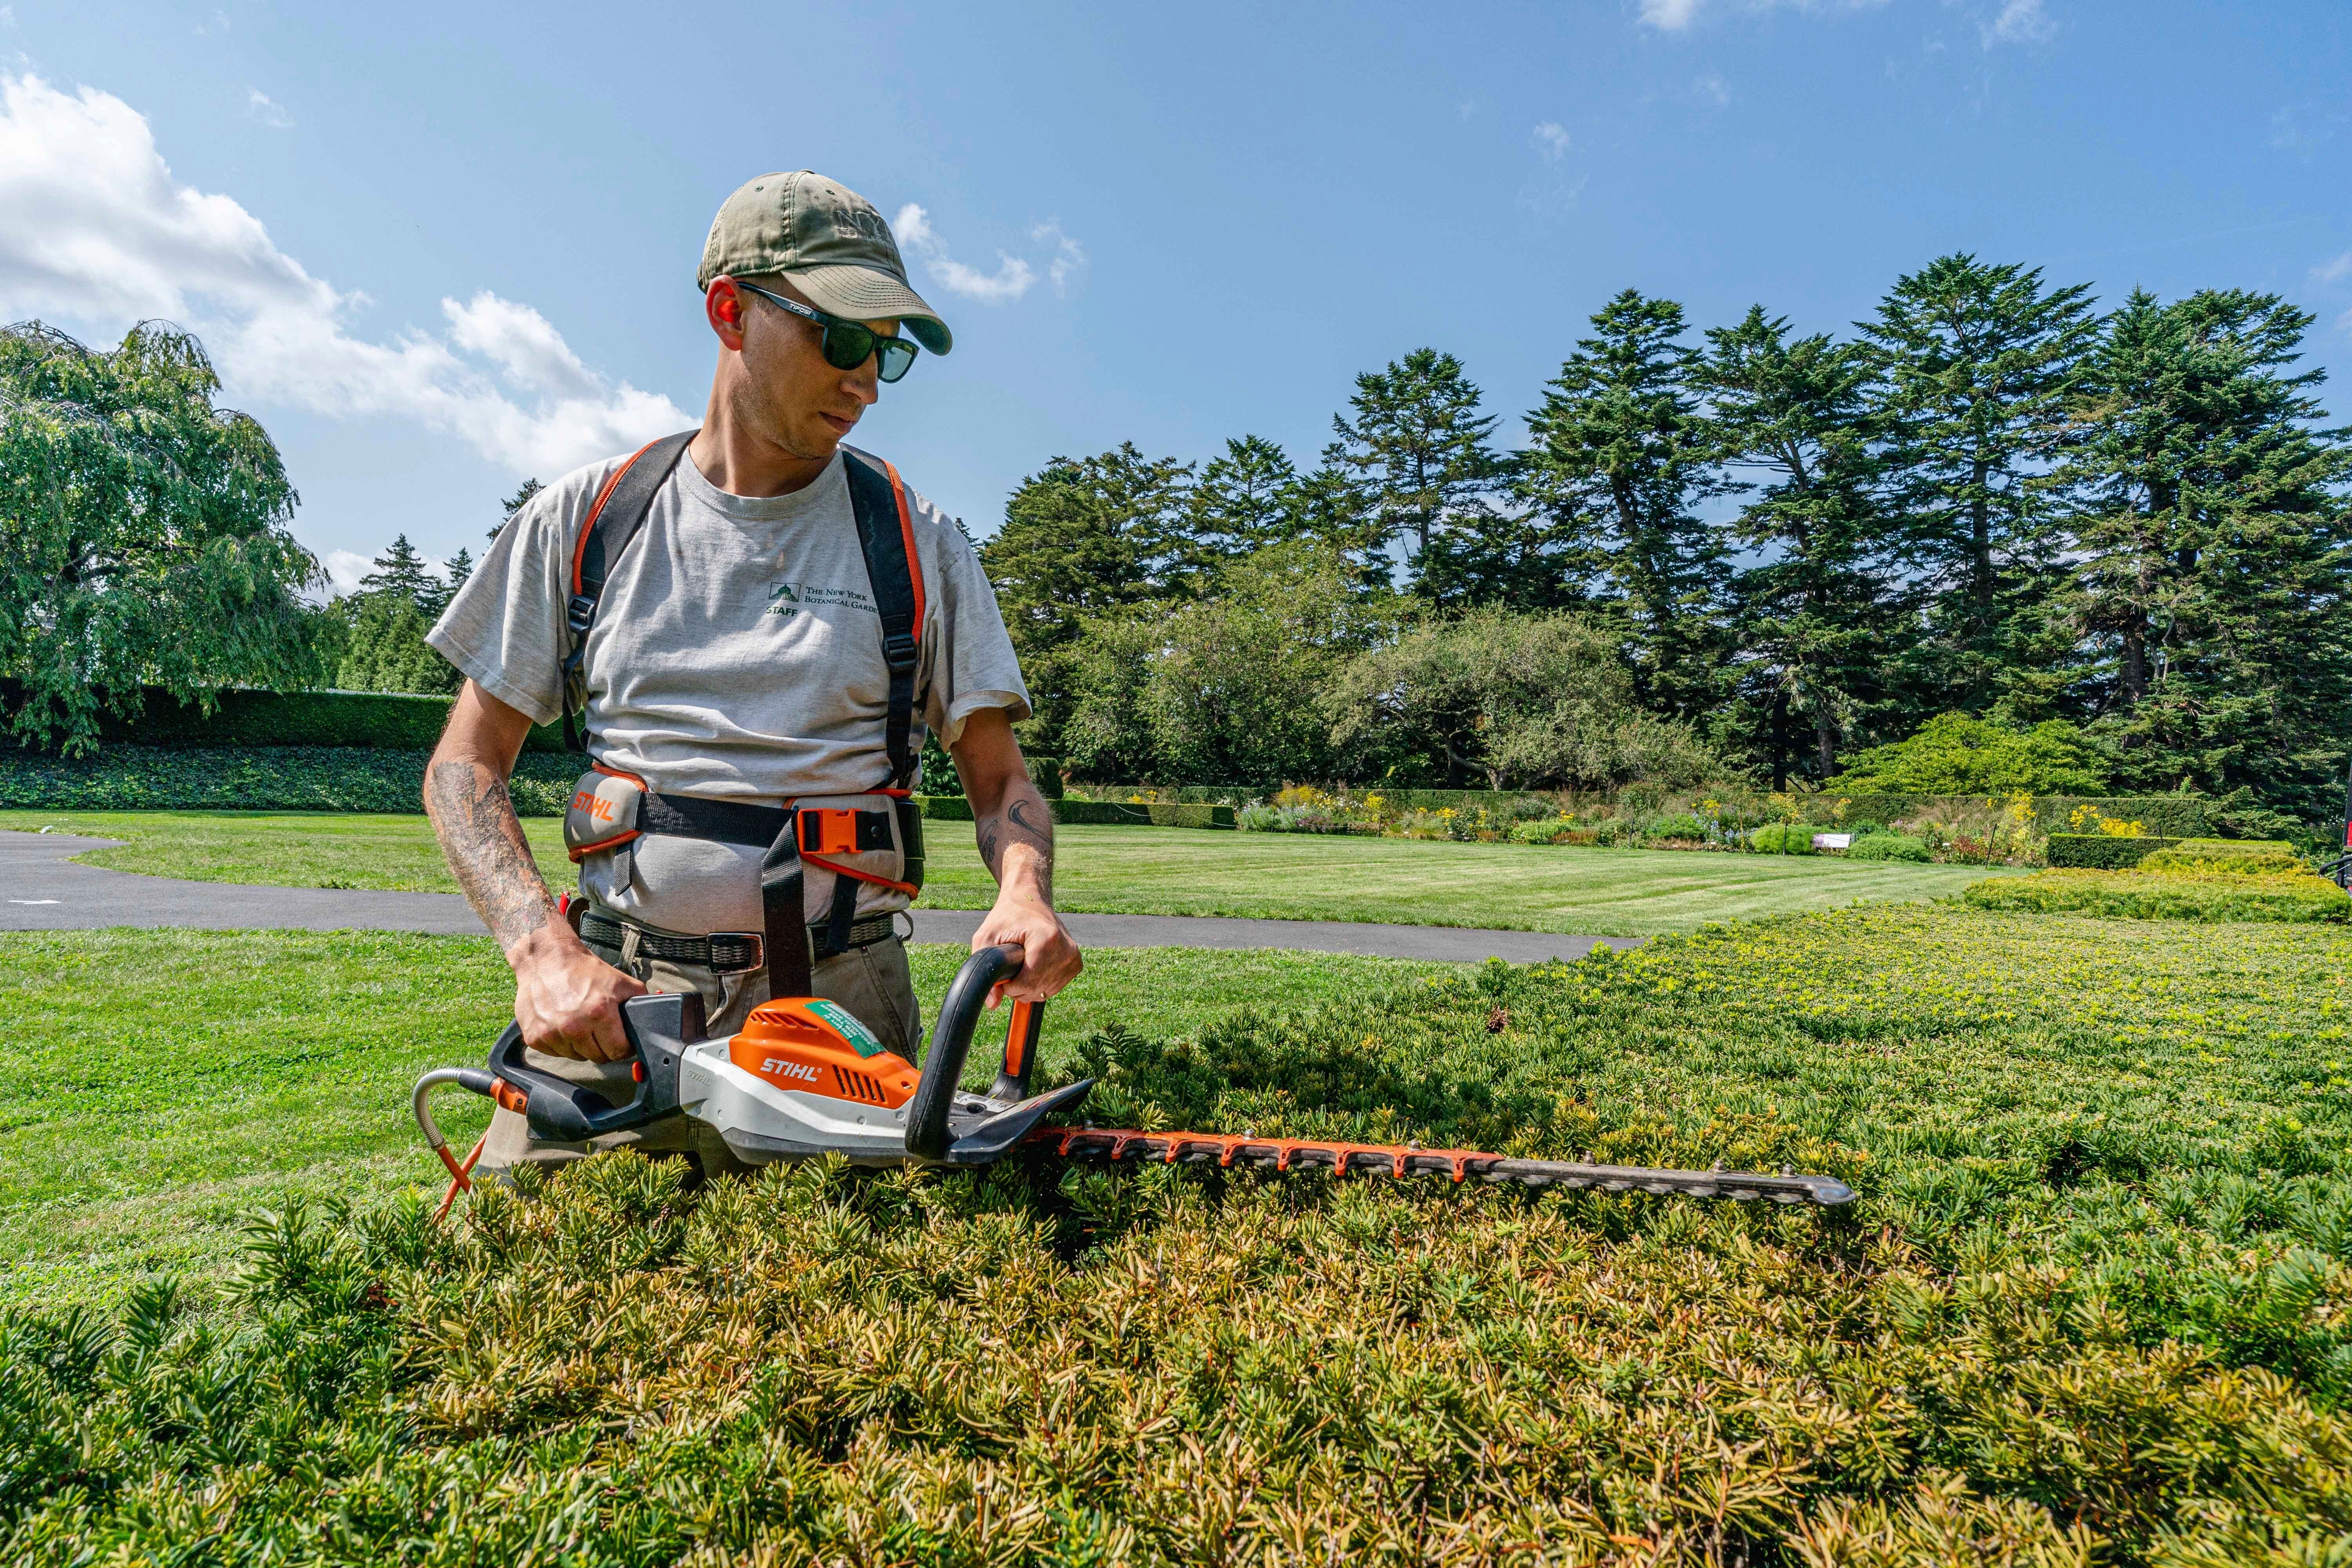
(722,306)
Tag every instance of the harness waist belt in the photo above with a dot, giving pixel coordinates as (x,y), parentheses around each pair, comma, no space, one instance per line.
(722,951)
(724,821)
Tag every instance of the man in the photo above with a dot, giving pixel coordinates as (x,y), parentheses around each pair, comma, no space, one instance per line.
(738,658)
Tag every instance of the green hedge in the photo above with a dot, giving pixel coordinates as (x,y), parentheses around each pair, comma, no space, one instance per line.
(1096,812)
(377,720)
(264,778)
(2167,815)
(2099,851)
(2157,896)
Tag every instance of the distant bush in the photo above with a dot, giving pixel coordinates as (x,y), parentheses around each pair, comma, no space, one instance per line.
(2151,896)
(1955,754)
(1890,847)
(2225,857)
(2103,851)
(1785,839)
(1554,830)
(1682,825)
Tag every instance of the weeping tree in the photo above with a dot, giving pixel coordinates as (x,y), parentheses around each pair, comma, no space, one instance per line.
(143,537)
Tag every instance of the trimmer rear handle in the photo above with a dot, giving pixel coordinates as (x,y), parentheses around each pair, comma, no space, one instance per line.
(659,1028)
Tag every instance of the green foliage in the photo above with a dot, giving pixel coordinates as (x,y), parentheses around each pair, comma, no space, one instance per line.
(2096,851)
(1681,824)
(1520,698)
(1417,459)
(2225,856)
(1108,813)
(241,718)
(1889,847)
(1214,689)
(1955,754)
(143,537)
(2163,895)
(259,778)
(1621,459)
(1785,839)
(385,650)
(1979,363)
(2089,1308)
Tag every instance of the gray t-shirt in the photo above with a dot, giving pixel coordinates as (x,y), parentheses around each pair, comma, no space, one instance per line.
(737,655)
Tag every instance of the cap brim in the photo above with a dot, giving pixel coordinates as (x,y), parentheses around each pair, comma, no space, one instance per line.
(869,294)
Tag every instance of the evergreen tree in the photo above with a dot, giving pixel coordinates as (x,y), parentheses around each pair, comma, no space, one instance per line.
(1244,499)
(1976,362)
(1083,536)
(1622,457)
(515,503)
(1820,612)
(2213,546)
(384,648)
(1416,451)
(400,572)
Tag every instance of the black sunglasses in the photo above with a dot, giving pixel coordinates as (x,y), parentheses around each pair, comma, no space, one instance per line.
(847,344)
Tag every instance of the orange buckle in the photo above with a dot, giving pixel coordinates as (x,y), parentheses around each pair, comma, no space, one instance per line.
(828,830)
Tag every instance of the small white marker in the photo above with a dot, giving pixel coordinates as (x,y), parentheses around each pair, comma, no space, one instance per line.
(32,900)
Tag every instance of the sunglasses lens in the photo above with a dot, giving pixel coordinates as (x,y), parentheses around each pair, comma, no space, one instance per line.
(847,345)
(897,354)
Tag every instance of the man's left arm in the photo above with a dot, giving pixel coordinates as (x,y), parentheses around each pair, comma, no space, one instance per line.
(1015,829)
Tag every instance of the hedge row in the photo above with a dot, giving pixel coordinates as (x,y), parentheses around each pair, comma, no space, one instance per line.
(1165,814)
(2156,896)
(265,778)
(377,721)
(2100,851)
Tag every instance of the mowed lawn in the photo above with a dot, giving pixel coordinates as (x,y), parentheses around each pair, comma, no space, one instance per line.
(162,1085)
(1116,870)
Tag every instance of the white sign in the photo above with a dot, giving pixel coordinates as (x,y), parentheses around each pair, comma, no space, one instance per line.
(1832,840)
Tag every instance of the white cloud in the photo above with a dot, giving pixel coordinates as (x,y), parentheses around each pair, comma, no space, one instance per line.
(7,15)
(2019,22)
(216,23)
(1677,16)
(1014,275)
(1711,87)
(257,104)
(1551,141)
(1069,256)
(2333,271)
(100,232)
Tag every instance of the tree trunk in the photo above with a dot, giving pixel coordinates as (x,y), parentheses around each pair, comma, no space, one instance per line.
(1780,741)
(1825,740)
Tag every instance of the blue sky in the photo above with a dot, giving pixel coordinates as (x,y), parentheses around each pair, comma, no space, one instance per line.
(439,248)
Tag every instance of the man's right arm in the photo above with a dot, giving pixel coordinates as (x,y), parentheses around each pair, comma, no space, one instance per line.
(567,1000)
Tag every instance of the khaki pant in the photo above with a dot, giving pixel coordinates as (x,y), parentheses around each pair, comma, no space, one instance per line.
(871,982)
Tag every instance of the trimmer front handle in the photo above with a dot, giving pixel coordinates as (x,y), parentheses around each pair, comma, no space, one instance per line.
(659,1028)
(927,1134)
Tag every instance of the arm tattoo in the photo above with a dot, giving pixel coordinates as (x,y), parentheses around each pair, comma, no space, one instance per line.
(1023,819)
(475,817)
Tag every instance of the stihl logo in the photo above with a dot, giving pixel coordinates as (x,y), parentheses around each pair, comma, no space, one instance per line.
(594,805)
(783,1069)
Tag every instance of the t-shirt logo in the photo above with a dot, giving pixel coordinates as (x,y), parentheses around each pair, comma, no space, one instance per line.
(785,599)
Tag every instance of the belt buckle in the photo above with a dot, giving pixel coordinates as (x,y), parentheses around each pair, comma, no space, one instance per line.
(752,943)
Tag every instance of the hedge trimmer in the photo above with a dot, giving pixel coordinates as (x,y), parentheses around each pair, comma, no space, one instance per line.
(805,1078)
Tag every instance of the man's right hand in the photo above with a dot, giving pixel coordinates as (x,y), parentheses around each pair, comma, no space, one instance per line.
(567,1000)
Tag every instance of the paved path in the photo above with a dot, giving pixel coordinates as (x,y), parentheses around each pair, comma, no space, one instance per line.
(42,889)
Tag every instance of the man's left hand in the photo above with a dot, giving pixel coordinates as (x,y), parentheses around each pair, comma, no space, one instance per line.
(1049,957)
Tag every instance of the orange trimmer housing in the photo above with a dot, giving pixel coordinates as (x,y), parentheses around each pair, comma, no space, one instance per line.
(814,1047)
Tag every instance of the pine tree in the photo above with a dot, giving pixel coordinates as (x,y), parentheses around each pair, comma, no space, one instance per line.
(1821,613)
(460,566)
(1976,362)
(1082,536)
(401,572)
(515,503)
(1244,499)
(1416,450)
(1622,457)
(2213,546)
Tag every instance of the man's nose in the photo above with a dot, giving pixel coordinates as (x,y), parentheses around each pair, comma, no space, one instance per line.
(865,382)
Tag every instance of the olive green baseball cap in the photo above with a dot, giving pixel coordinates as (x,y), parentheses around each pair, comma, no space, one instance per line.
(828,241)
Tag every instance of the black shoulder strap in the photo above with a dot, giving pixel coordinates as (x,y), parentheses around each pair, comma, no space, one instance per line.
(613,523)
(885,532)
